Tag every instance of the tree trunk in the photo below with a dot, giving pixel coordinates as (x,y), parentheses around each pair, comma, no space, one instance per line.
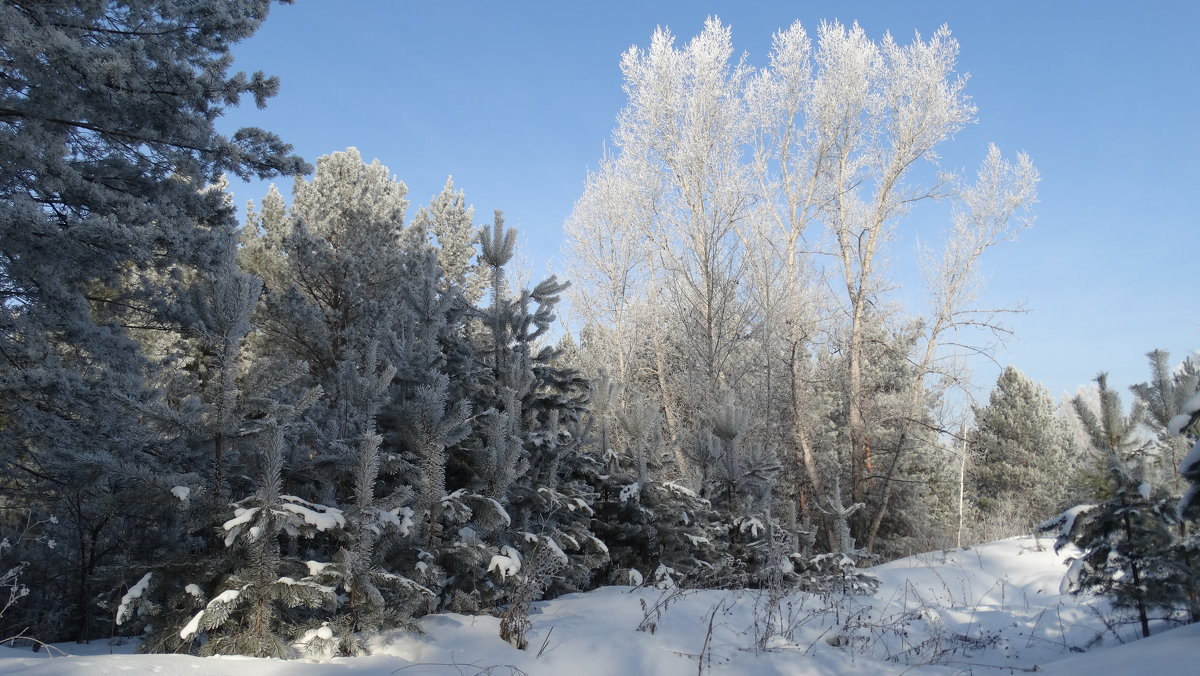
(857,434)
(1135,572)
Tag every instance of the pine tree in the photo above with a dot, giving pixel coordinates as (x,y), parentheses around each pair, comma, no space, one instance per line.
(1126,540)
(244,617)
(1164,397)
(331,265)
(448,221)
(1187,424)
(1021,453)
(655,528)
(524,456)
(1172,401)
(109,144)
(738,476)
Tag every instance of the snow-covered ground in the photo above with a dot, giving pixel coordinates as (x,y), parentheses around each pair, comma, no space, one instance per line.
(987,609)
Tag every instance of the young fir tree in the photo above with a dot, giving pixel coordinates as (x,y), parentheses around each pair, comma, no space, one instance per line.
(525,453)
(1186,423)
(427,417)
(1021,453)
(203,399)
(1125,540)
(373,597)
(247,616)
(738,477)
(1172,402)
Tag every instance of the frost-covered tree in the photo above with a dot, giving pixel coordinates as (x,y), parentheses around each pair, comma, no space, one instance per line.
(678,184)
(1165,396)
(244,616)
(107,127)
(738,475)
(523,457)
(1021,453)
(1172,404)
(908,478)
(1186,423)
(375,596)
(205,394)
(449,221)
(707,207)
(331,264)
(1126,540)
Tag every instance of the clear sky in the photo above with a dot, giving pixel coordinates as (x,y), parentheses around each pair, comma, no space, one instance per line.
(516,100)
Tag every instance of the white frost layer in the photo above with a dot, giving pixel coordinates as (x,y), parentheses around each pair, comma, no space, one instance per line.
(317,643)
(305,583)
(400,517)
(468,536)
(181,492)
(318,516)
(125,610)
(599,543)
(556,551)
(1192,405)
(500,511)
(1064,521)
(1191,460)
(1190,408)
(507,562)
(316,567)
(678,488)
(241,516)
(631,491)
(753,525)
(323,633)
(227,596)
(189,630)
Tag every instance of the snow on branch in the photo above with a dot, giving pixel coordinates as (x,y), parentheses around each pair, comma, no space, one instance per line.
(132,598)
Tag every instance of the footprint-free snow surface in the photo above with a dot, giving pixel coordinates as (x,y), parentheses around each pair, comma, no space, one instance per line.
(993,608)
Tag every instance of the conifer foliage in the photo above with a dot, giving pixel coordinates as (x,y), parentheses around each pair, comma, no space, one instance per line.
(1133,545)
(321,425)
(1021,452)
(108,144)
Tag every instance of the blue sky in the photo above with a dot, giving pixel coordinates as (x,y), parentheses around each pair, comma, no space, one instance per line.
(516,101)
